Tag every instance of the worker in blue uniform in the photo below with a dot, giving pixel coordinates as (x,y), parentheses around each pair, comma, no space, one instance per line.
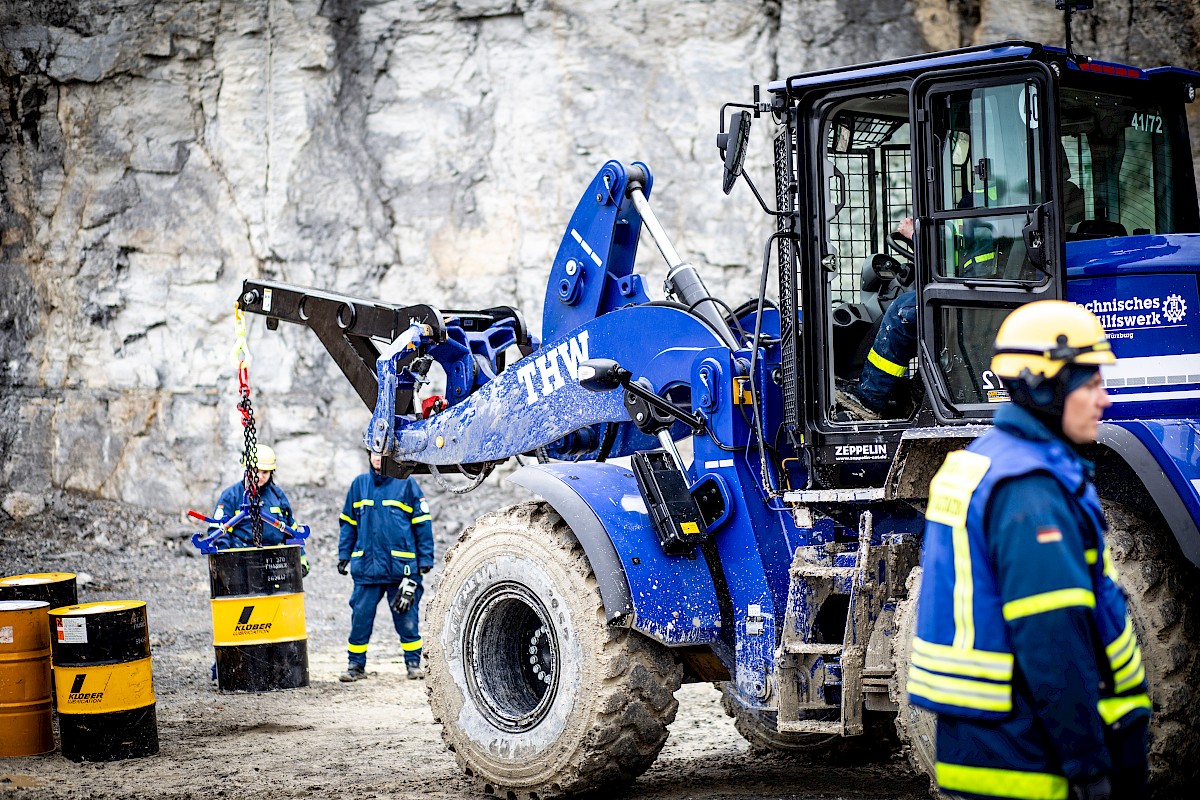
(271,499)
(386,545)
(1024,645)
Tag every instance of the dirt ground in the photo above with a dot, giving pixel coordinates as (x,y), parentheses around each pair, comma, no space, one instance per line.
(371,739)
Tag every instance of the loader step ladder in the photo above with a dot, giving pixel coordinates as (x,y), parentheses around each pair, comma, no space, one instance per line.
(809,669)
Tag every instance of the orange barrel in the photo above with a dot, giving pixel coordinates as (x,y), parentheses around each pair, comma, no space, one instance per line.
(103,681)
(258,618)
(25,725)
(56,588)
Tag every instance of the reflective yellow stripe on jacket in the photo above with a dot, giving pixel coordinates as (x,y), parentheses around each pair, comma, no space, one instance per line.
(1001,782)
(397,504)
(1125,658)
(1048,601)
(949,498)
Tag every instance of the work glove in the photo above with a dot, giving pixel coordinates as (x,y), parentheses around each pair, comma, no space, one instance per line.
(404,596)
(304,570)
(344,566)
(1096,789)
(425,570)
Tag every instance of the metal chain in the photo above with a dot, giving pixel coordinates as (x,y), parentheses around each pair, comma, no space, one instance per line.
(249,429)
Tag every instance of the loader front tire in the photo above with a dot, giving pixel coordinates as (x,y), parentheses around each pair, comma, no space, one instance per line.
(537,696)
(1164,602)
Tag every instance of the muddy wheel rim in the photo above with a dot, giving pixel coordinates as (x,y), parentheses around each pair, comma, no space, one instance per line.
(512,656)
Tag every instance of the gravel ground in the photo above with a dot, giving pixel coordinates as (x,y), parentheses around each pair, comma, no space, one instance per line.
(374,738)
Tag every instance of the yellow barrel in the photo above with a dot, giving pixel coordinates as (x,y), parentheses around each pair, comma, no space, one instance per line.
(103,681)
(258,618)
(25,724)
(56,588)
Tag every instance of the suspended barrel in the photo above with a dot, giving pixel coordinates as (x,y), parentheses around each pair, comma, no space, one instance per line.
(56,588)
(103,682)
(258,618)
(25,724)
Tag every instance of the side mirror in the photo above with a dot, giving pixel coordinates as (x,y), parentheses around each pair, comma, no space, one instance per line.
(1035,239)
(733,146)
(602,375)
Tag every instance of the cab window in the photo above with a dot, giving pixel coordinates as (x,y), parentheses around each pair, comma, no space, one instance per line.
(989,152)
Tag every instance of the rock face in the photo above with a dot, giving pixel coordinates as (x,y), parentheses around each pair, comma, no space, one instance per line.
(155,155)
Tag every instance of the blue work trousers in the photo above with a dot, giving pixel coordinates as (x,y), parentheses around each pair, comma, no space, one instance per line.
(894,347)
(363,602)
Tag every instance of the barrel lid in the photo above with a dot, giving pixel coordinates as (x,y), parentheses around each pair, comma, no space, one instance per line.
(264,547)
(35,578)
(22,605)
(102,607)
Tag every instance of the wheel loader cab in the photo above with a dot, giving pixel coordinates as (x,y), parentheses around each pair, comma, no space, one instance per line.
(1002,155)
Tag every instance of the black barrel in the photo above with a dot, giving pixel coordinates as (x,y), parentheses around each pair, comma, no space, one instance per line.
(103,681)
(258,618)
(56,588)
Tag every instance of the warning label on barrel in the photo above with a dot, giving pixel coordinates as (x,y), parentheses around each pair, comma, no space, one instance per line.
(6,634)
(71,630)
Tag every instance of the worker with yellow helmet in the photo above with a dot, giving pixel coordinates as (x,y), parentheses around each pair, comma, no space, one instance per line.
(272,500)
(1024,645)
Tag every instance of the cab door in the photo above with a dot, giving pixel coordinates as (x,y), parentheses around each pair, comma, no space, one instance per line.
(989,235)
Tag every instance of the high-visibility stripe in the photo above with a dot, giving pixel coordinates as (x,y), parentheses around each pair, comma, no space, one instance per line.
(403,554)
(408,647)
(964,590)
(1126,677)
(422,518)
(361,503)
(1116,649)
(1090,555)
(356,648)
(968,663)
(1110,569)
(890,367)
(1133,680)
(992,782)
(356,554)
(1048,601)
(398,504)
(276,510)
(1113,708)
(979,259)
(960,692)
(347,519)
(949,498)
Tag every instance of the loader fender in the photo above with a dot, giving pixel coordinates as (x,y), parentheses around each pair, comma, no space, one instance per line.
(1164,455)
(668,598)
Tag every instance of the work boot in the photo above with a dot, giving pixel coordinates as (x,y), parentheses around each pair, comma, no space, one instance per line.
(354,672)
(850,401)
(415,673)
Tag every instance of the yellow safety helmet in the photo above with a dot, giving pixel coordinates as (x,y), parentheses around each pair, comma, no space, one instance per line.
(266,457)
(1038,339)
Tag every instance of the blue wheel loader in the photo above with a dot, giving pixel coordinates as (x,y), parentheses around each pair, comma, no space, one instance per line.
(709,506)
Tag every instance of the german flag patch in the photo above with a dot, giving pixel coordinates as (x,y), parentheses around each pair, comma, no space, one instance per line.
(1048,534)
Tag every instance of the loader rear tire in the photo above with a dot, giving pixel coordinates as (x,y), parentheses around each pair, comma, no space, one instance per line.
(537,696)
(1164,602)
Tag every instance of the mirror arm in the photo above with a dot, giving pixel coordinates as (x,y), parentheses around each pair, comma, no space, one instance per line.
(760,200)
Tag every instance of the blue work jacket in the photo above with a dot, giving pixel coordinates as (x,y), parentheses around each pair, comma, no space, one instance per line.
(1021,624)
(386,530)
(273,501)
